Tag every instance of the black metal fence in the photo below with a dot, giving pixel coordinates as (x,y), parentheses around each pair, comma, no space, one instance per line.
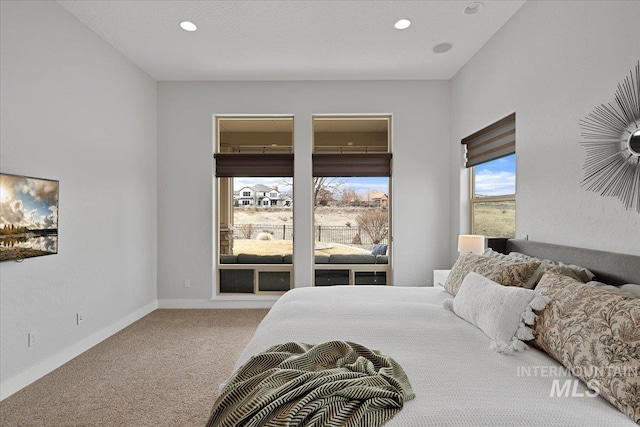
(251,231)
(323,233)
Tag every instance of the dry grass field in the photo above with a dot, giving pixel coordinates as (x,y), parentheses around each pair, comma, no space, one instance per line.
(496,219)
(279,216)
(324,216)
(283,247)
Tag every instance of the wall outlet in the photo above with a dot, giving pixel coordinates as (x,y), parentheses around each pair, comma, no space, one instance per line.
(186,283)
(31,339)
(79,317)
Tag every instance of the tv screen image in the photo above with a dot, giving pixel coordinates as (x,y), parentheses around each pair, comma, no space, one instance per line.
(28,217)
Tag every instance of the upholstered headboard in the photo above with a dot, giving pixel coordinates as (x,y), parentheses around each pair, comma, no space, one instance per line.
(609,267)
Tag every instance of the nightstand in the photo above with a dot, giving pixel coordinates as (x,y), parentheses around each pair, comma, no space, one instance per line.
(439,277)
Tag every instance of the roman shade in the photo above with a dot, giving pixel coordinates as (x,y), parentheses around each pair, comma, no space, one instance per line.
(494,141)
(352,164)
(235,165)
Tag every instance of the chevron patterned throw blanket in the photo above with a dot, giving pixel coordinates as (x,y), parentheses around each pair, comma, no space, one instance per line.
(336,383)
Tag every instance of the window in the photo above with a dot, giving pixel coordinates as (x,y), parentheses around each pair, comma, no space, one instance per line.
(255,246)
(493,200)
(352,173)
(492,161)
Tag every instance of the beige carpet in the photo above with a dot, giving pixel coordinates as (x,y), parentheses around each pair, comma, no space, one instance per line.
(163,370)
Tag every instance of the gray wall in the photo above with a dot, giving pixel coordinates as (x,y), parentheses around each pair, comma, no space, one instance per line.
(420,188)
(552,63)
(75,110)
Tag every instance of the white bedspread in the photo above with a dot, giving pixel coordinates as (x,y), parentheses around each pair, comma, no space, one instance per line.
(457,379)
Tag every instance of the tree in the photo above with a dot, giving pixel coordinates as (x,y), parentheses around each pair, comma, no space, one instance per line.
(374,223)
(324,189)
(324,197)
(349,196)
(246,230)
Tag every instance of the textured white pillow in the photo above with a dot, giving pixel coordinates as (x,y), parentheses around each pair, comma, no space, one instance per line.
(501,312)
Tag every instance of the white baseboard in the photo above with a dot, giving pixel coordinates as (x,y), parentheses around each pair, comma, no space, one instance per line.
(221,302)
(12,385)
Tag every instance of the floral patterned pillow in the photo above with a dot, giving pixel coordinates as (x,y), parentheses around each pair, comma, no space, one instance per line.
(596,335)
(503,272)
(579,273)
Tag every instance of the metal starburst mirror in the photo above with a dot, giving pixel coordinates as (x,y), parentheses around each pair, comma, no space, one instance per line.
(611,137)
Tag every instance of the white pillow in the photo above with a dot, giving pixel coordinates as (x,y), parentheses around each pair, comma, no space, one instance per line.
(501,312)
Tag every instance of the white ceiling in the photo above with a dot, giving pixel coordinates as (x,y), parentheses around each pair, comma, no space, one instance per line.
(295,39)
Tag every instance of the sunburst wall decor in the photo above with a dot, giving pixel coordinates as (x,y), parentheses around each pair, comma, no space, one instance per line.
(611,137)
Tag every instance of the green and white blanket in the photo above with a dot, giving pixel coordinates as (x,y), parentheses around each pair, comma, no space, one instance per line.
(336,383)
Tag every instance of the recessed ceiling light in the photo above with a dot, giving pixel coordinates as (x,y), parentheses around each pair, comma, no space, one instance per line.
(402,24)
(473,8)
(442,47)
(188,26)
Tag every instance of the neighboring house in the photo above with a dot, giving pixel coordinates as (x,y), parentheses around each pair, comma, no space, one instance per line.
(244,197)
(261,195)
(375,198)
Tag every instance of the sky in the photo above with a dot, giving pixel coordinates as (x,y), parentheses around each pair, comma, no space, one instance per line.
(28,202)
(497,177)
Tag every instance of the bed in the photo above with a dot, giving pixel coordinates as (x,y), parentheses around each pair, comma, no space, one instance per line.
(457,378)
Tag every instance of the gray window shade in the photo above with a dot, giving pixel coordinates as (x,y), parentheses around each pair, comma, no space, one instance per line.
(352,164)
(230,165)
(494,141)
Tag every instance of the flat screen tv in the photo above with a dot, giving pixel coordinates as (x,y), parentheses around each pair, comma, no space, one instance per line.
(28,217)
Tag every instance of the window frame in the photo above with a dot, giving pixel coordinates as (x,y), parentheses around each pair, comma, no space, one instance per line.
(490,143)
(258,268)
(385,157)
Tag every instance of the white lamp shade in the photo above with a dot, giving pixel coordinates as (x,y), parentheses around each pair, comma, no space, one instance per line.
(471,243)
